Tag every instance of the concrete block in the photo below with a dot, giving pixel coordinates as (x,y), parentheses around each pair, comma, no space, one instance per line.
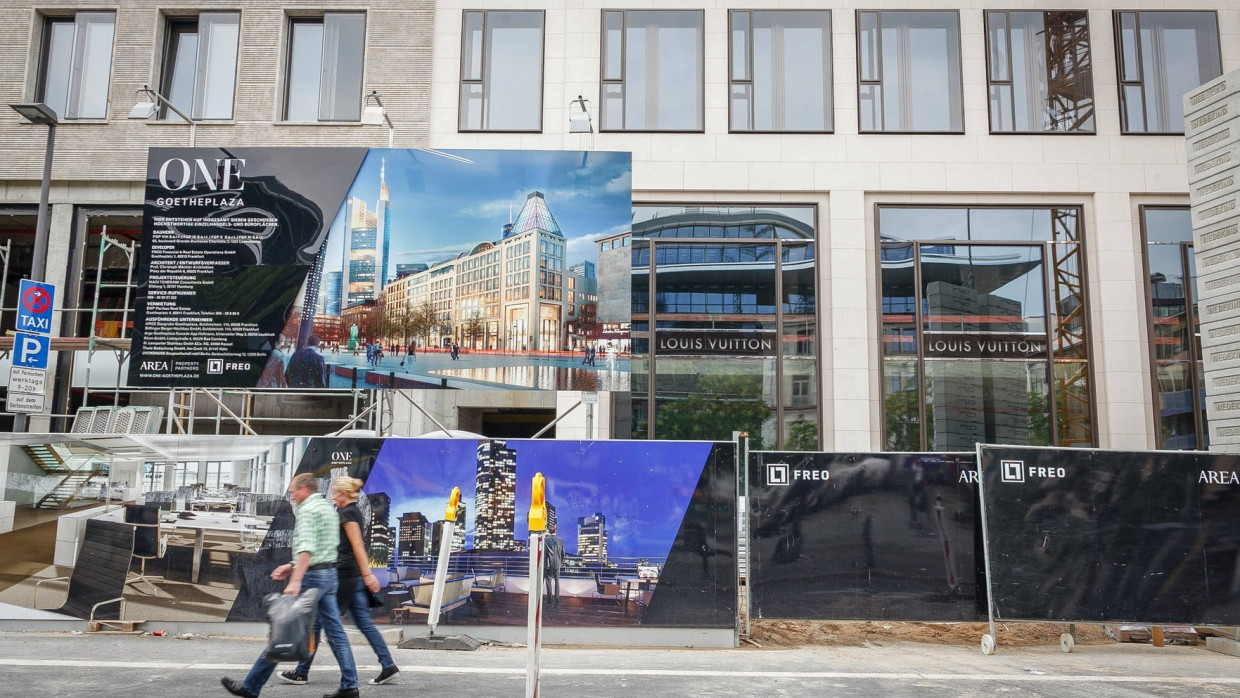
(391,636)
(1228,107)
(1217,211)
(1212,139)
(1211,93)
(1214,310)
(1220,186)
(1216,334)
(1223,645)
(1214,163)
(1216,235)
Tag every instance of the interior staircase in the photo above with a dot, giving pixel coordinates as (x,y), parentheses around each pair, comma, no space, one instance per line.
(77,471)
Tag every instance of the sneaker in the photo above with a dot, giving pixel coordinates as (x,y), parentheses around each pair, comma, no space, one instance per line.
(342,693)
(384,676)
(236,688)
(294,678)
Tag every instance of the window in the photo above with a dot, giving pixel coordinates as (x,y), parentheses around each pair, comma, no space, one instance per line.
(77,64)
(652,70)
(909,71)
(1175,329)
(200,65)
(1163,55)
(1040,72)
(984,337)
(781,71)
(501,71)
(325,68)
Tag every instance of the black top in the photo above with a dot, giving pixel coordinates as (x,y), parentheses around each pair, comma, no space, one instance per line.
(346,563)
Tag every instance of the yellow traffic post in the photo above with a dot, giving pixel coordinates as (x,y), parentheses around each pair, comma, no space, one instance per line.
(538,531)
(441,566)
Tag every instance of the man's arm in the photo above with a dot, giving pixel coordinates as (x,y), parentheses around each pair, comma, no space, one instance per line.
(299,571)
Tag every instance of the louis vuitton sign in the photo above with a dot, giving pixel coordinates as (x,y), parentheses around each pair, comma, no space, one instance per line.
(983,345)
(715,343)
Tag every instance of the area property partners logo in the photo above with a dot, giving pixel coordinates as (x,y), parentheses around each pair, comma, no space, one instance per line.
(781,474)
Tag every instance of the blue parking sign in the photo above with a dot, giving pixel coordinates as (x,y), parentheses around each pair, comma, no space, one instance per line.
(30,350)
(34,307)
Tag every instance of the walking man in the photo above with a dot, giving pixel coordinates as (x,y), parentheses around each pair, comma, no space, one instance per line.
(316,536)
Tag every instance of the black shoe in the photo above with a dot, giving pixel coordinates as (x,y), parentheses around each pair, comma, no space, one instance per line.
(235,688)
(384,676)
(342,693)
(294,678)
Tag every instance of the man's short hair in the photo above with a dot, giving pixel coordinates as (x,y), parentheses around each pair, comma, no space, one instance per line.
(313,341)
(305,480)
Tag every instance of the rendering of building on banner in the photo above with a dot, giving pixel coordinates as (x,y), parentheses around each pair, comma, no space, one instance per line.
(214,521)
(385,268)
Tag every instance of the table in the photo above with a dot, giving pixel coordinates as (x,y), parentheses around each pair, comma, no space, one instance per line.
(212,504)
(638,589)
(210,521)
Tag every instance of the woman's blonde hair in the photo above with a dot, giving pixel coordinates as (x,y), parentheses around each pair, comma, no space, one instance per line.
(350,487)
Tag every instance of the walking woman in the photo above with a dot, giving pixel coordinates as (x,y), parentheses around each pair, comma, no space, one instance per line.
(353,569)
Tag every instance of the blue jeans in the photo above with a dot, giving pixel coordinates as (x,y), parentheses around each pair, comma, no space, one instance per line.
(359,608)
(329,617)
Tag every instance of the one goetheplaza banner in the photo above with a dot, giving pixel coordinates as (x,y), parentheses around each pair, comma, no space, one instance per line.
(388,268)
(189,528)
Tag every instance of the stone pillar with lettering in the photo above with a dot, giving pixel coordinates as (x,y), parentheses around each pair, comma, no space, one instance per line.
(1212,130)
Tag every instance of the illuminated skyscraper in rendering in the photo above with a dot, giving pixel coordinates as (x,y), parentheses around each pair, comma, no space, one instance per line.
(495,527)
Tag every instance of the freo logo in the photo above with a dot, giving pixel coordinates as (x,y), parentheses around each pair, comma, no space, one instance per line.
(1013,470)
(225,175)
(777,474)
(215,366)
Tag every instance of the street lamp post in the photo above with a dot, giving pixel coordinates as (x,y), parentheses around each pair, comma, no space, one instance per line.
(39,113)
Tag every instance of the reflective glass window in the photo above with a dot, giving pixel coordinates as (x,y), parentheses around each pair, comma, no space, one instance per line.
(501,71)
(781,70)
(77,64)
(200,65)
(324,80)
(1040,72)
(1163,55)
(652,70)
(910,71)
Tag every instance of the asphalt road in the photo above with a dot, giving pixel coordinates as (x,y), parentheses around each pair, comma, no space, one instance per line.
(36,665)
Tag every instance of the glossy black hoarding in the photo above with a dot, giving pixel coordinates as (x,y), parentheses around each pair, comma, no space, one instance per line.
(1096,536)
(864,536)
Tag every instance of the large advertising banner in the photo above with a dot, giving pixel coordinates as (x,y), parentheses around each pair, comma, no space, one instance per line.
(388,268)
(864,536)
(1111,536)
(647,529)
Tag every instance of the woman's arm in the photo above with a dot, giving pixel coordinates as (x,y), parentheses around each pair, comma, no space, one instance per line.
(354,533)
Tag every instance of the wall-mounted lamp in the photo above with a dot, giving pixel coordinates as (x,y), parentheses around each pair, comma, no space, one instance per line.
(579,121)
(376,114)
(147,107)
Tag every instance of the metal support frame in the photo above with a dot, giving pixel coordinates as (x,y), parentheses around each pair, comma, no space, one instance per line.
(988,641)
(122,352)
(742,496)
(555,421)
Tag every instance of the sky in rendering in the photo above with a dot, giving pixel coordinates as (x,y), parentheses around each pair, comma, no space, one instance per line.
(441,207)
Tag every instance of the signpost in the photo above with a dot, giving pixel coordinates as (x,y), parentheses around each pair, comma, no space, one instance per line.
(28,376)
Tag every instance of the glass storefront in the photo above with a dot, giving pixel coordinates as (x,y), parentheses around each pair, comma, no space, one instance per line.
(983,328)
(724,324)
(1175,330)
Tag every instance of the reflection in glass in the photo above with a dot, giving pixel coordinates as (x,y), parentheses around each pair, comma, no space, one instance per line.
(201,65)
(954,272)
(1163,55)
(1040,72)
(910,67)
(660,81)
(988,401)
(790,85)
(325,68)
(501,71)
(1175,329)
(719,272)
(78,65)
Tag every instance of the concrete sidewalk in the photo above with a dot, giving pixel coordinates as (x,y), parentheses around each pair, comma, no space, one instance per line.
(37,665)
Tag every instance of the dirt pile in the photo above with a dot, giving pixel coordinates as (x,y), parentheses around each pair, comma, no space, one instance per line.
(785,633)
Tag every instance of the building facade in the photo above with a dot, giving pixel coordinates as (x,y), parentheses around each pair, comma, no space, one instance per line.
(990,198)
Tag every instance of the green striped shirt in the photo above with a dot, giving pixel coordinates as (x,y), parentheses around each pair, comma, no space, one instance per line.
(317,530)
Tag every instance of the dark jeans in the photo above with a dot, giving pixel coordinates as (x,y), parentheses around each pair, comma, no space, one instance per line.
(329,617)
(358,607)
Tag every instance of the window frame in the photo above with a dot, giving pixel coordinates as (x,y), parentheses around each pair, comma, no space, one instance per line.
(1121,83)
(48,20)
(291,19)
(986,14)
(604,81)
(174,26)
(482,81)
(829,68)
(881,70)
(919,355)
(1200,415)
